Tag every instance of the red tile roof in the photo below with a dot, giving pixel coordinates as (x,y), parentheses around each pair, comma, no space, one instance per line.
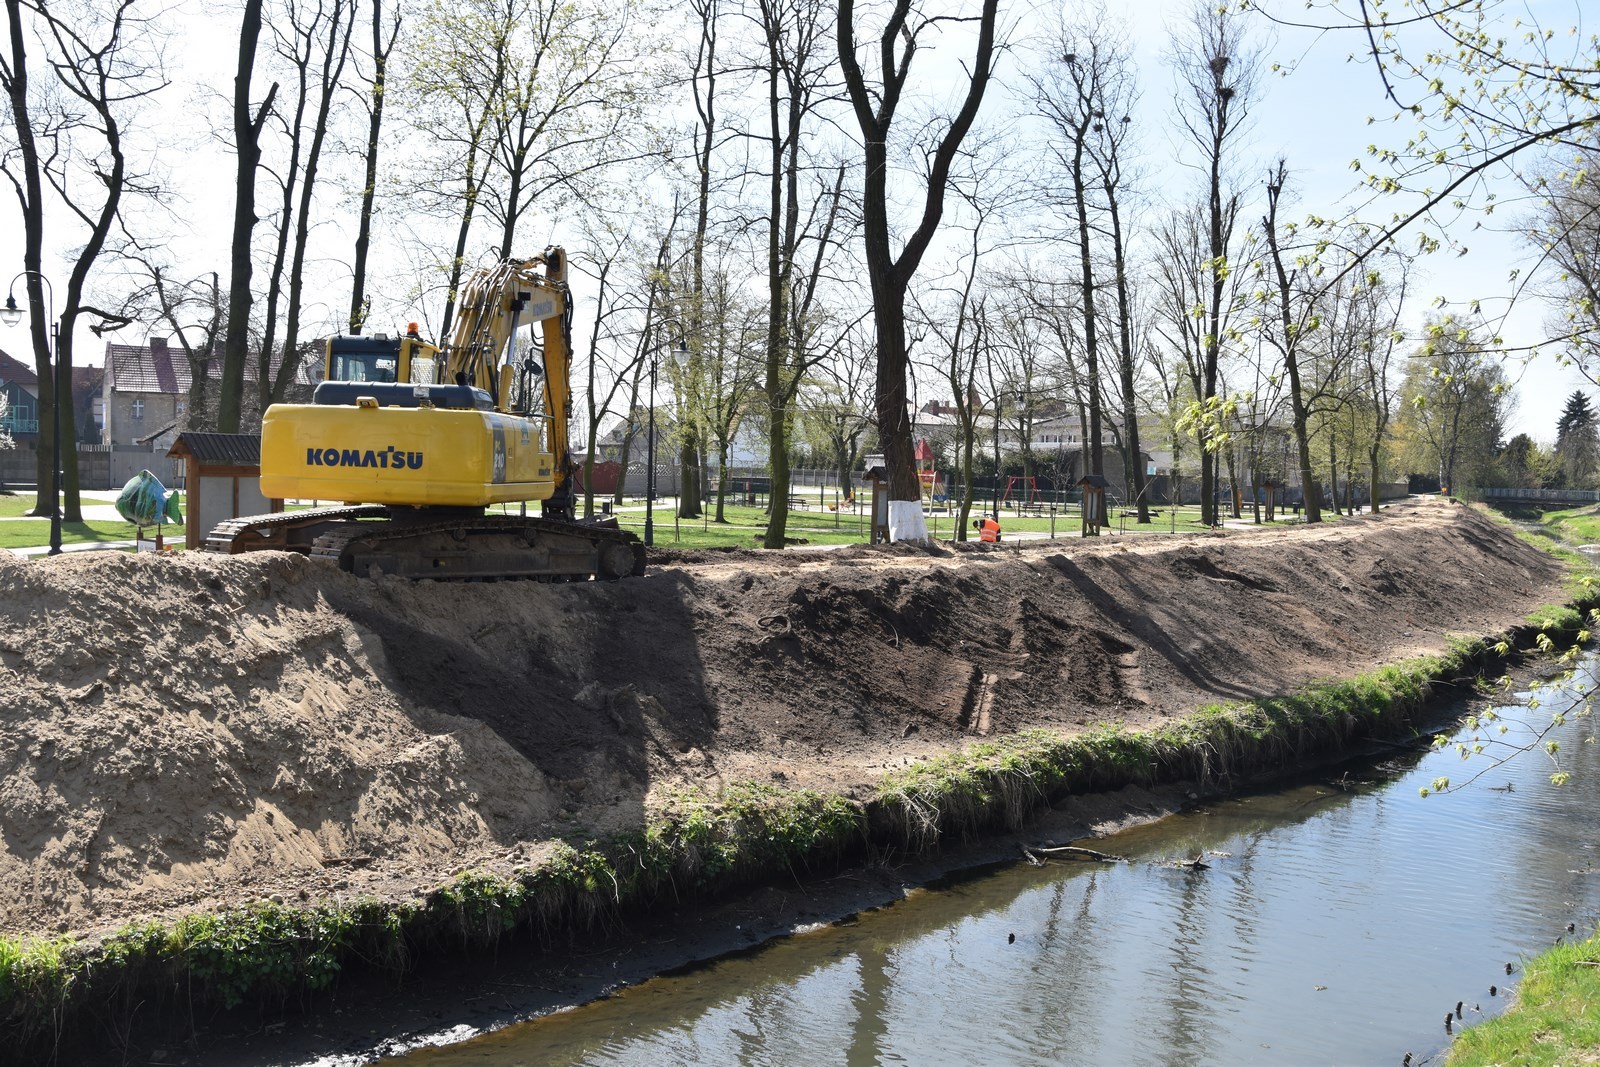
(14,370)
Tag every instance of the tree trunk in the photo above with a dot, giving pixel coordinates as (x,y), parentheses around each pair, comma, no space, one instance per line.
(275,388)
(247,147)
(969,444)
(1291,350)
(889,275)
(1373,472)
(1333,475)
(359,305)
(722,481)
(31,202)
(1134,469)
(689,481)
(1091,344)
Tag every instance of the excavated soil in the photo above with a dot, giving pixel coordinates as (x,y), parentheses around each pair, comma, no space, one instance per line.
(185,732)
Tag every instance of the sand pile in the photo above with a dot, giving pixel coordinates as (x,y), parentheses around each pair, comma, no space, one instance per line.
(190,731)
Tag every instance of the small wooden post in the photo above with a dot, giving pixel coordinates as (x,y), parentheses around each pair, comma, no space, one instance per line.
(1270,487)
(876,478)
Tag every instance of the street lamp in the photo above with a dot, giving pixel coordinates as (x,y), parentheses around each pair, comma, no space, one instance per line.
(11,315)
(650,445)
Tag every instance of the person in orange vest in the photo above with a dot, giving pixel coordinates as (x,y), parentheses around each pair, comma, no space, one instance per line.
(988,529)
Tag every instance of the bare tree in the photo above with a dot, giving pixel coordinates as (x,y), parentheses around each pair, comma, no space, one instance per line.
(314,37)
(374,94)
(457,88)
(610,365)
(1217,84)
(1293,327)
(194,311)
(953,314)
(104,64)
(574,106)
(802,223)
(248,122)
(839,403)
(728,367)
(897,40)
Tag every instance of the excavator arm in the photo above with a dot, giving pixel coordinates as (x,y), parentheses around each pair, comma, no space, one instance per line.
(481,352)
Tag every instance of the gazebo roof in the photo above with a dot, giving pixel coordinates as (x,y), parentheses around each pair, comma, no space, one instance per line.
(218,449)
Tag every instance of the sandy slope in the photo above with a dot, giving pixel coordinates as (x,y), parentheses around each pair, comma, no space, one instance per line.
(189,731)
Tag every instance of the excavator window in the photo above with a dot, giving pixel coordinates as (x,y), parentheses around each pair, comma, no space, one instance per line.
(363,368)
(363,359)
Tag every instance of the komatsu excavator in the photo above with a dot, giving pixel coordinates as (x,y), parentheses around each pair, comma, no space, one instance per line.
(419,443)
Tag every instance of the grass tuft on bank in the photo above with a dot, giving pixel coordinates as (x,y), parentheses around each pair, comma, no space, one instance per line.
(1002,783)
(1554,1019)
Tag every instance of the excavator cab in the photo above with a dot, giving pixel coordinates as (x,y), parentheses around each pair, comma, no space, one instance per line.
(380,358)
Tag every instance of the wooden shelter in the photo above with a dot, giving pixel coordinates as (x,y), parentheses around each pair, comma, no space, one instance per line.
(876,478)
(1094,503)
(223,478)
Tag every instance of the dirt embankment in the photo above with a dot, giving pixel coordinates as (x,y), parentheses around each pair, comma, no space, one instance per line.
(189,732)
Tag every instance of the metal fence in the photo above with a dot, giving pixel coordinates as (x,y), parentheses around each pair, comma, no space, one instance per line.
(1542,496)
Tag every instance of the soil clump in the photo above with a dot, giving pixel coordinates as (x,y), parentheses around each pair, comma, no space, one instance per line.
(191,732)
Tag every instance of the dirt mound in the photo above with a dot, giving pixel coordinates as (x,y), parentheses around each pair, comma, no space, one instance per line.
(193,731)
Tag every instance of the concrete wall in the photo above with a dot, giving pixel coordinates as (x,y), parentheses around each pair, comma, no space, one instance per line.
(98,467)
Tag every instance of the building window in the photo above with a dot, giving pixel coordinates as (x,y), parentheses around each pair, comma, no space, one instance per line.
(138,409)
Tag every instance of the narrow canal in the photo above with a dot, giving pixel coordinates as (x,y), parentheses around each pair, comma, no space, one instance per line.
(1336,921)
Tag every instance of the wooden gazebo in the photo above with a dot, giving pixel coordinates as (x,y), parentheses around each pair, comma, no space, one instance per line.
(222,474)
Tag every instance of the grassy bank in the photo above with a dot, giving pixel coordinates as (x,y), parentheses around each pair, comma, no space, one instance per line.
(1554,1020)
(695,845)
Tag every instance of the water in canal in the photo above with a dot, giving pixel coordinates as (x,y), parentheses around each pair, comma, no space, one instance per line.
(1338,922)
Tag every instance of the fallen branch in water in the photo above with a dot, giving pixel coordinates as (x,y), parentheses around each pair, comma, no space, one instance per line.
(1074,850)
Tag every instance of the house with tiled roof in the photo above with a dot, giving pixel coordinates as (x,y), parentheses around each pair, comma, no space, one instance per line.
(145,393)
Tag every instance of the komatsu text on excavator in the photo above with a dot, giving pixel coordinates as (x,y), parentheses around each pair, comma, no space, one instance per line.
(419,443)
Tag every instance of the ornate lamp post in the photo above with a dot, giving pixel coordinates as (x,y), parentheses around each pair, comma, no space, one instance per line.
(11,315)
(650,445)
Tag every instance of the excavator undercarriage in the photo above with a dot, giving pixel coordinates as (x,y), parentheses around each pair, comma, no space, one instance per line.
(453,544)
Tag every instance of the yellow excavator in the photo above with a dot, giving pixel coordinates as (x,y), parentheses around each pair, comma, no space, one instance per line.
(420,443)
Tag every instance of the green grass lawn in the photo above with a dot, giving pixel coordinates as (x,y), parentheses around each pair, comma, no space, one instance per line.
(15,505)
(746,526)
(1555,1018)
(1580,525)
(24,533)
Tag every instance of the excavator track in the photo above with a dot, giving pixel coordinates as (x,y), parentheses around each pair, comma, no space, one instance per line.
(292,531)
(368,541)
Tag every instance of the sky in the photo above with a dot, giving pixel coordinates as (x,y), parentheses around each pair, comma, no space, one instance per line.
(1314,115)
